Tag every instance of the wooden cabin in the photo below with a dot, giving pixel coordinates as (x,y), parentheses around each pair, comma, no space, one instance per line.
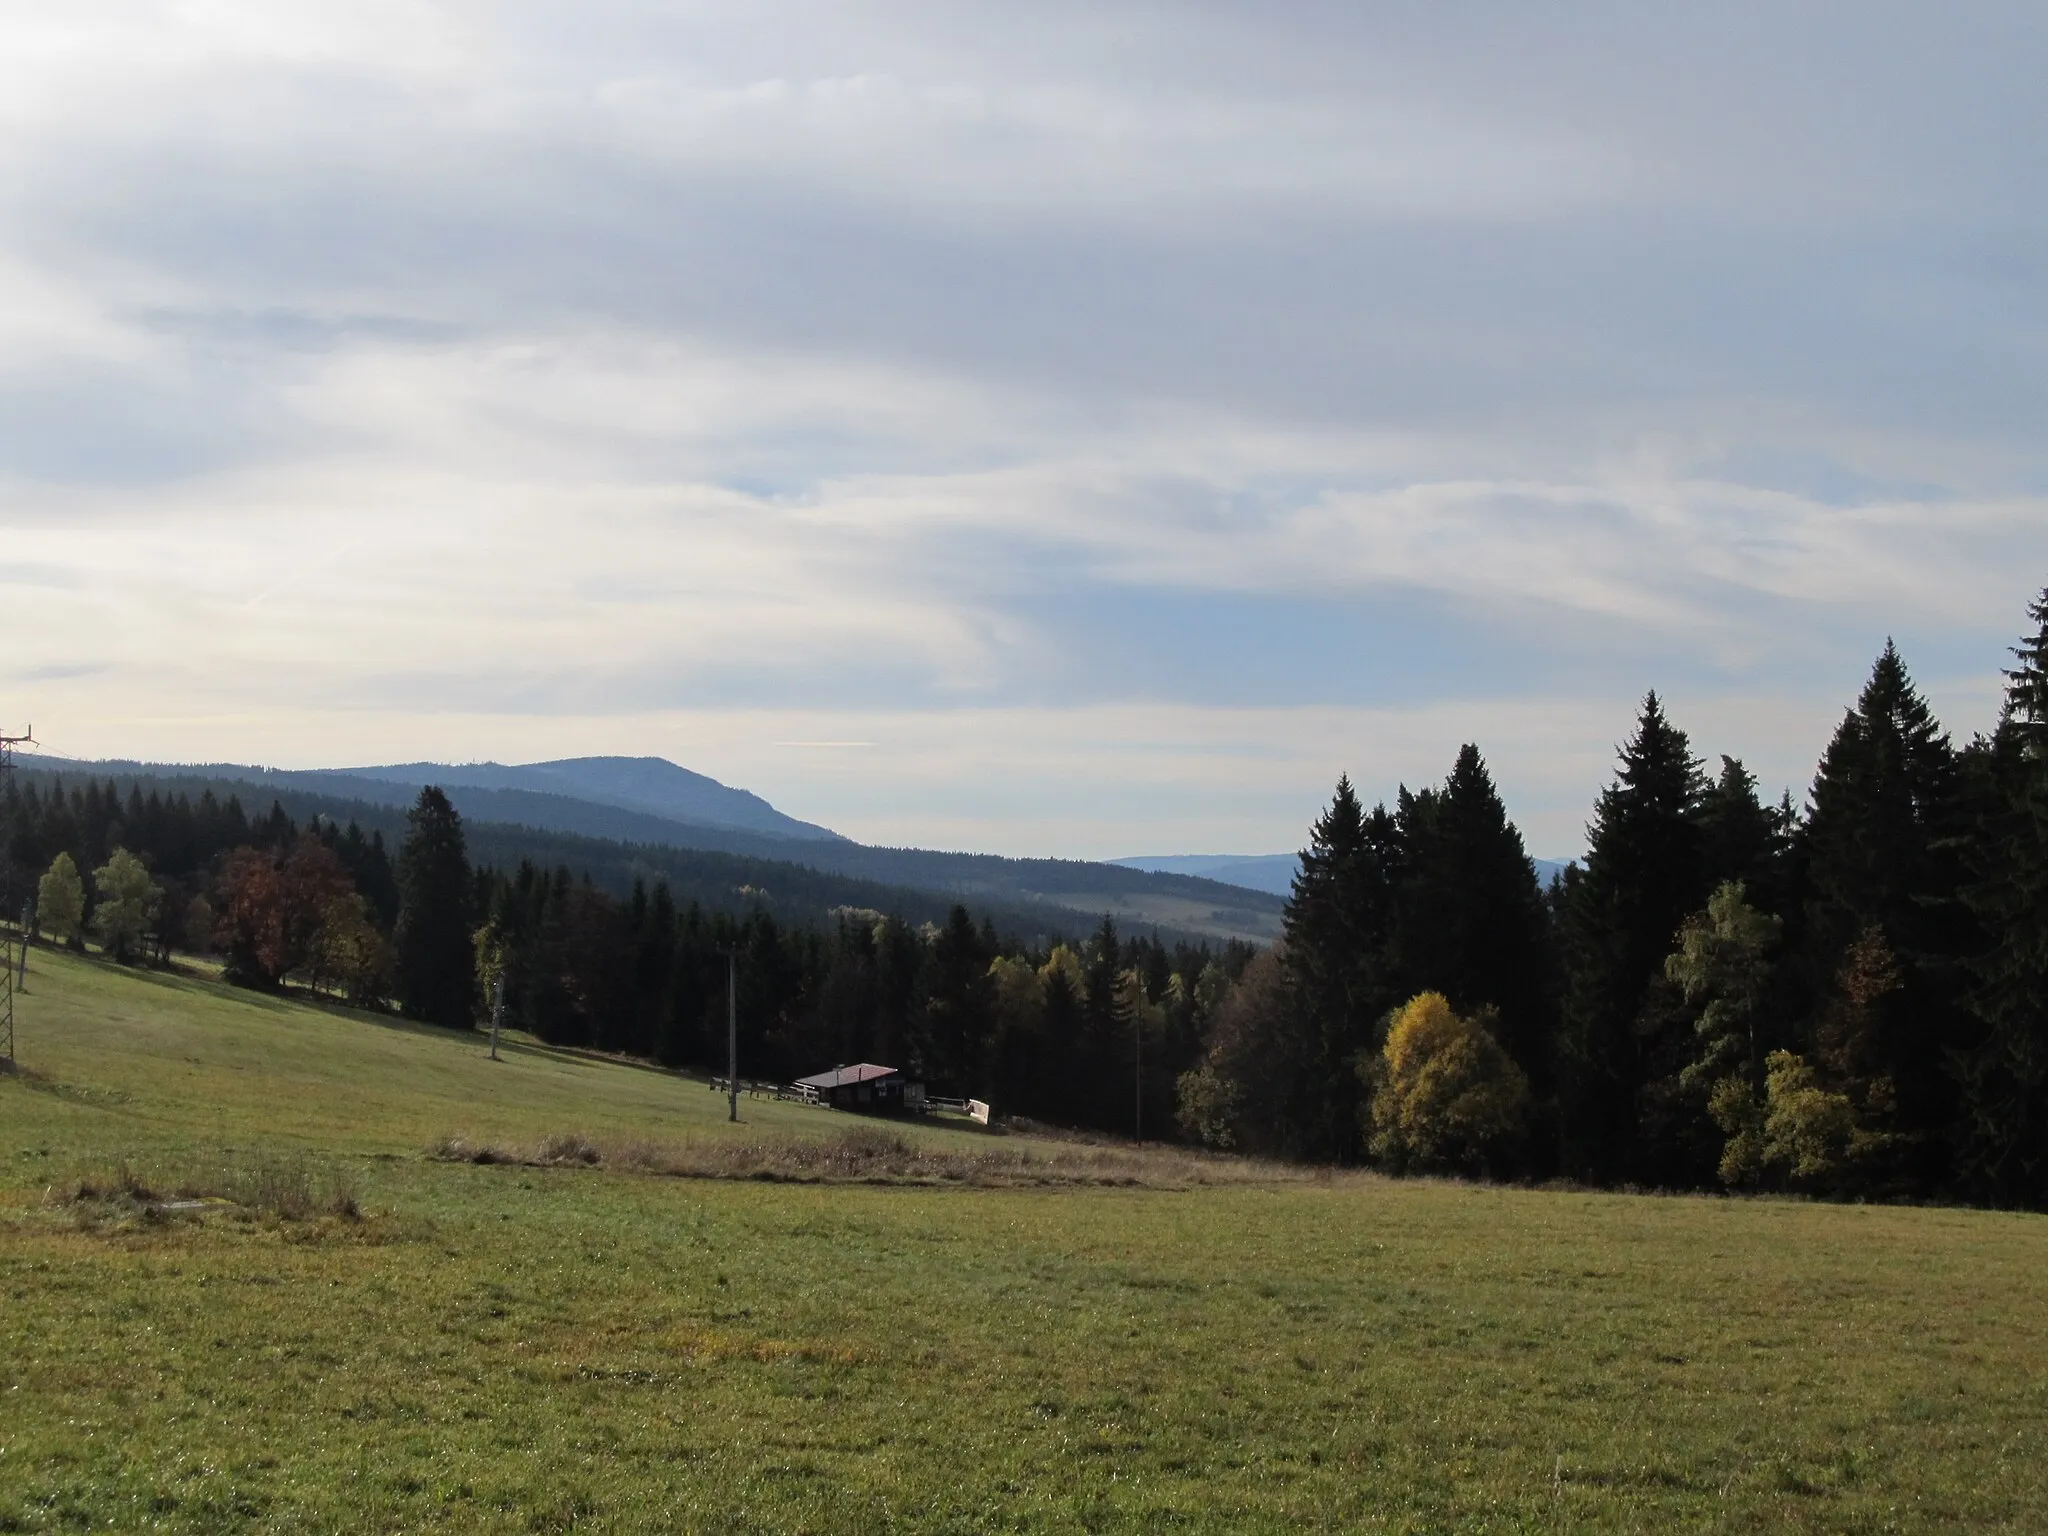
(865,1086)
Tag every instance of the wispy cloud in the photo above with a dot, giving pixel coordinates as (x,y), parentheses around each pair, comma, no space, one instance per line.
(913,397)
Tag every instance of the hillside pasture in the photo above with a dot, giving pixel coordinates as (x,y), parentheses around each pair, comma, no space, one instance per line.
(253,1275)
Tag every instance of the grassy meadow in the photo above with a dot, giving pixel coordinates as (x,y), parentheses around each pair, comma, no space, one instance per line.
(990,1333)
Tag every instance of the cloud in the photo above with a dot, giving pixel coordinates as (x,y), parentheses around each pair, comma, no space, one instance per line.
(508,372)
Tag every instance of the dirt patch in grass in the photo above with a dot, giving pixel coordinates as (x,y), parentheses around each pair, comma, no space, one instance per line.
(871,1155)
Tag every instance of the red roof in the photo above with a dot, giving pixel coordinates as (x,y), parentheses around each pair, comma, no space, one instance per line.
(846,1077)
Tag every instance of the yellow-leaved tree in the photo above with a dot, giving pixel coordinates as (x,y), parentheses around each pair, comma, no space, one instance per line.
(1445,1097)
(60,901)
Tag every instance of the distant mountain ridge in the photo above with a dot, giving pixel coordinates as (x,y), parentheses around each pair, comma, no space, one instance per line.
(653,786)
(1269,872)
(1069,894)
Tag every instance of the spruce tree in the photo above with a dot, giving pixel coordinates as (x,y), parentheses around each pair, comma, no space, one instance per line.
(1056,1090)
(1471,920)
(1106,1045)
(1882,807)
(959,1006)
(1882,851)
(1742,839)
(1644,874)
(1338,926)
(2004,1073)
(436,960)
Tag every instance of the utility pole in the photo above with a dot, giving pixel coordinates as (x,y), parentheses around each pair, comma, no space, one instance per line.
(11,957)
(497,1011)
(1138,1039)
(732,1036)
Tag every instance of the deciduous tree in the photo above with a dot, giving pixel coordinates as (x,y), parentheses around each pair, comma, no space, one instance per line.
(1445,1096)
(128,902)
(60,900)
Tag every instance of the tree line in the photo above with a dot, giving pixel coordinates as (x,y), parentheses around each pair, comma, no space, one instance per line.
(1095,1033)
(1848,997)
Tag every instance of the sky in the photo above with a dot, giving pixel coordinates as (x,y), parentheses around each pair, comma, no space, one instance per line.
(1044,428)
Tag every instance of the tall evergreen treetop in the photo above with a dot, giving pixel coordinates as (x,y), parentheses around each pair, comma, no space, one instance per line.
(1883,803)
(1337,924)
(1471,919)
(1743,839)
(1645,869)
(436,960)
(1644,874)
(1884,849)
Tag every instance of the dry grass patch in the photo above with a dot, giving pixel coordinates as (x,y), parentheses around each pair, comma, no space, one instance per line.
(868,1154)
(286,1189)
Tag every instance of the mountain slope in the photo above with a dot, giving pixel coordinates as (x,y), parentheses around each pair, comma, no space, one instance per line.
(652,786)
(806,875)
(1269,872)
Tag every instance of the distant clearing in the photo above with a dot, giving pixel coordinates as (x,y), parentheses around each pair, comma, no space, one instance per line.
(270,1266)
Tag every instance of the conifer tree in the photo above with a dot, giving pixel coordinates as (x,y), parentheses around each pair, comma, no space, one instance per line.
(1882,850)
(1882,805)
(1471,922)
(1106,1046)
(654,942)
(2005,1072)
(1743,839)
(959,1004)
(435,958)
(1644,874)
(1338,926)
(1054,1069)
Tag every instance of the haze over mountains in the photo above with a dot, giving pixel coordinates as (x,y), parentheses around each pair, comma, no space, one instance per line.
(1269,872)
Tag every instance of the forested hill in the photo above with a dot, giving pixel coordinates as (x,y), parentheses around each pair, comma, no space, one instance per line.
(723,869)
(652,786)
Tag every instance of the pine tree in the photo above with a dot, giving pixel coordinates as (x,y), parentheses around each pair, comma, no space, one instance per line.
(436,960)
(1644,874)
(2005,1072)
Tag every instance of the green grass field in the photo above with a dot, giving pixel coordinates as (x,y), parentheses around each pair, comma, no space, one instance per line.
(518,1348)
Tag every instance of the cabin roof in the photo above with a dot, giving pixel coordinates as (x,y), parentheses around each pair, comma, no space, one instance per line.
(846,1077)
